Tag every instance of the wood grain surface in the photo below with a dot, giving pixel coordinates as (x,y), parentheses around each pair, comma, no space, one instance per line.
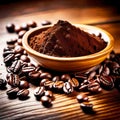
(65,107)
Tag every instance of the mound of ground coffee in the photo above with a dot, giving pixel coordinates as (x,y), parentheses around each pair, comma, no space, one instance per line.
(66,40)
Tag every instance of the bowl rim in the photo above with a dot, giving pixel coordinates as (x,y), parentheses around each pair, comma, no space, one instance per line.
(106,50)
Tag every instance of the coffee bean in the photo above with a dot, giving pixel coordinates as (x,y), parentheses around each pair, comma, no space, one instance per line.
(10,27)
(49,93)
(48,84)
(23,94)
(45,22)
(21,33)
(74,82)
(80,76)
(5,53)
(116,71)
(43,81)
(13,80)
(58,85)
(23,78)
(19,49)
(32,24)
(94,87)
(28,69)
(19,42)
(87,107)
(106,82)
(56,78)
(18,28)
(46,101)
(23,84)
(82,98)
(105,71)
(12,93)
(25,26)
(11,41)
(15,67)
(3,83)
(24,58)
(45,75)
(34,75)
(8,58)
(65,77)
(39,91)
(68,88)
(91,75)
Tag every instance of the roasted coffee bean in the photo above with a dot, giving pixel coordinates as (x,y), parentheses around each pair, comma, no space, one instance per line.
(23,84)
(5,53)
(106,82)
(12,93)
(49,93)
(94,87)
(15,67)
(80,76)
(91,75)
(45,75)
(8,58)
(39,91)
(19,42)
(7,49)
(32,24)
(45,22)
(23,78)
(65,77)
(82,98)
(24,58)
(19,49)
(87,107)
(56,78)
(23,94)
(83,88)
(43,81)
(25,26)
(68,88)
(13,80)
(17,28)
(48,84)
(10,27)
(28,69)
(116,71)
(21,33)
(46,101)
(58,85)
(34,75)
(3,83)
(105,71)
(11,41)
(74,82)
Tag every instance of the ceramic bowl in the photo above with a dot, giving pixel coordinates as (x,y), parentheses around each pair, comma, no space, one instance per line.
(70,64)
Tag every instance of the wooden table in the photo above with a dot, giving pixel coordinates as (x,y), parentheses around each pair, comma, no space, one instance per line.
(106,104)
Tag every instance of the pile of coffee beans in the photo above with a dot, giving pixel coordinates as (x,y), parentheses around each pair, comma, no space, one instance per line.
(21,72)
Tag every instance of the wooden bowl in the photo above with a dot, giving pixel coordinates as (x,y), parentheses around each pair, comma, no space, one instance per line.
(70,64)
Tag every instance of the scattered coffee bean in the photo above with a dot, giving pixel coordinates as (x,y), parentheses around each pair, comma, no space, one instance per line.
(82,98)
(45,75)
(25,26)
(24,58)
(5,53)
(58,85)
(43,81)
(39,91)
(23,94)
(91,75)
(34,75)
(65,77)
(87,107)
(11,41)
(28,69)
(107,82)
(10,27)
(49,93)
(3,83)
(48,84)
(12,93)
(21,33)
(17,28)
(32,24)
(8,58)
(23,84)
(74,82)
(18,49)
(46,101)
(13,80)
(45,22)
(68,88)
(56,78)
